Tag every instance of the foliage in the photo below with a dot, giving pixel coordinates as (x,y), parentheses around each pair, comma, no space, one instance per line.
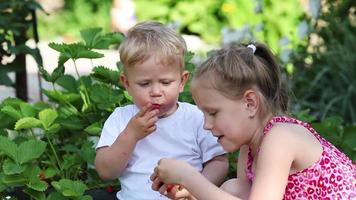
(335,130)
(325,67)
(229,20)
(76,15)
(50,144)
(14,26)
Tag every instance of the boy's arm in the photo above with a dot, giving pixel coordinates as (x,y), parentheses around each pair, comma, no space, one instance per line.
(110,161)
(216,169)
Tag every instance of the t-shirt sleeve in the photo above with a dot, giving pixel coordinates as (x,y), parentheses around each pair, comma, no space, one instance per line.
(209,146)
(111,130)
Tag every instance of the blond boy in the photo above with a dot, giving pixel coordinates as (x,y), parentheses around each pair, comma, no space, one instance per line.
(135,137)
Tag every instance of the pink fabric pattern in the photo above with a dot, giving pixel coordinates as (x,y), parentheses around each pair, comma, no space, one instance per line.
(333,176)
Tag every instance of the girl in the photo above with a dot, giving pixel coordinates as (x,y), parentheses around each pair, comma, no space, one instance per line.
(239,90)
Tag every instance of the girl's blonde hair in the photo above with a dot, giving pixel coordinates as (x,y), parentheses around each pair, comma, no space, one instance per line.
(152,38)
(237,68)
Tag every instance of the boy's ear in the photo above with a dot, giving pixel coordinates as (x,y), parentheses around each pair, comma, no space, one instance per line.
(184,79)
(124,80)
(252,102)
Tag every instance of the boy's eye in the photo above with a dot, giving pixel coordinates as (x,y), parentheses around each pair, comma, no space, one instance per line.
(143,84)
(166,82)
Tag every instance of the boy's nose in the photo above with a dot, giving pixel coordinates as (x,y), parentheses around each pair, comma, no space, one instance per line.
(156,90)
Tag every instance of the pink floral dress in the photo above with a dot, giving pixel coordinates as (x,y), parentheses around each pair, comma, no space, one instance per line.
(333,176)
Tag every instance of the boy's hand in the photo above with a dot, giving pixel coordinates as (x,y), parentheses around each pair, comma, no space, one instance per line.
(143,123)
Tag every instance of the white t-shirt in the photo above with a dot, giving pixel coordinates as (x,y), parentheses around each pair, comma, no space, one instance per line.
(180,135)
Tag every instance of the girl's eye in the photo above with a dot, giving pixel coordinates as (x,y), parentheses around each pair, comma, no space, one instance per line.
(212,113)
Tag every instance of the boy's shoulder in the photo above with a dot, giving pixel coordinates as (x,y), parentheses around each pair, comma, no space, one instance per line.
(190,109)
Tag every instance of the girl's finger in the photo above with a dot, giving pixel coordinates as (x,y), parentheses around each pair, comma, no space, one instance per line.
(154,174)
(156,184)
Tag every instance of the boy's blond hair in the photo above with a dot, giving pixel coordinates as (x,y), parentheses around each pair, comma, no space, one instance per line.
(152,38)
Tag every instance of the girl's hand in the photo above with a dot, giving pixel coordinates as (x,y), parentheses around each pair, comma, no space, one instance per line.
(178,192)
(169,171)
(143,123)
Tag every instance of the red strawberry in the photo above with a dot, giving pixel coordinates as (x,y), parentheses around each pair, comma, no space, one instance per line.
(169,187)
(109,189)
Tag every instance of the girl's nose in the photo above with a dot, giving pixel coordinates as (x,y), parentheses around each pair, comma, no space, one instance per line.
(207,125)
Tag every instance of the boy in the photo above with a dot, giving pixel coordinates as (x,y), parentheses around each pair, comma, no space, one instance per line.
(135,137)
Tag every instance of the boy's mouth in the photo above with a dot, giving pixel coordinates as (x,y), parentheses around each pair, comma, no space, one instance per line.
(155,106)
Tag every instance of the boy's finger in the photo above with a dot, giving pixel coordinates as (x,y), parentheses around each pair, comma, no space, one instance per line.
(143,110)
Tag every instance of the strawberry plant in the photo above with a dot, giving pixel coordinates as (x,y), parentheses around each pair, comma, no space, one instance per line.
(47,148)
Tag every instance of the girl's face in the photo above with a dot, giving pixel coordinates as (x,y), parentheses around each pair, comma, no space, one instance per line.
(226,118)
(156,83)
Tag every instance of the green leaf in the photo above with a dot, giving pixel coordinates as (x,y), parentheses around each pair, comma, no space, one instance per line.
(53,129)
(56,196)
(94,128)
(14,180)
(27,122)
(30,150)
(27,110)
(86,197)
(68,82)
(38,185)
(11,168)
(61,97)
(106,75)
(72,122)
(16,114)
(8,147)
(87,152)
(6,121)
(70,188)
(95,40)
(57,73)
(74,51)
(50,172)
(47,117)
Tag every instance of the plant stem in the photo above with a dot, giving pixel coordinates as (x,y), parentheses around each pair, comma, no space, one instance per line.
(54,153)
(81,82)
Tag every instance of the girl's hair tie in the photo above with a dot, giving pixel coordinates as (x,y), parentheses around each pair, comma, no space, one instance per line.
(253,47)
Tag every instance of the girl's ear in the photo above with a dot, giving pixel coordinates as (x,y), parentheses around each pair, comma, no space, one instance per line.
(252,102)
(124,80)
(184,79)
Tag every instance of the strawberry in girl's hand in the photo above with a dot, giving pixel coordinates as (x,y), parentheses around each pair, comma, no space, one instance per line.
(155,106)
(169,187)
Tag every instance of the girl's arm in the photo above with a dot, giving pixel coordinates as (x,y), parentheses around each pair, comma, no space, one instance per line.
(273,166)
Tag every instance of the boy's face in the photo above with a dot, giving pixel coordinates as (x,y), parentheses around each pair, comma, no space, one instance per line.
(154,82)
